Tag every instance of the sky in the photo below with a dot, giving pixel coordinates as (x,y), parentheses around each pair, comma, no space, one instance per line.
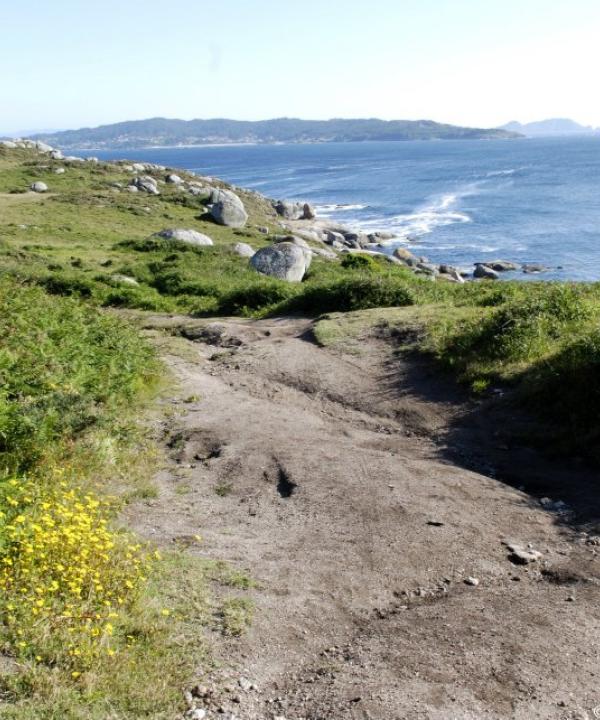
(481,63)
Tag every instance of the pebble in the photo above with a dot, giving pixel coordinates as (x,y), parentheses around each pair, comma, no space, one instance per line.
(474,582)
(195,714)
(521,555)
(246,685)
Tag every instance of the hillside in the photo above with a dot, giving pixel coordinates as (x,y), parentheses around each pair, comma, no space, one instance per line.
(162,131)
(549,128)
(228,495)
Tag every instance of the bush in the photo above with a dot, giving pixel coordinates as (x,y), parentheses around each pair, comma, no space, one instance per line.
(259,295)
(65,578)
(566,388)
(522,329)
(353,293)
(358,262)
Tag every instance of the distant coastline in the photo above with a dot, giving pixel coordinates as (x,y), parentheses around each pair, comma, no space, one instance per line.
(163,133)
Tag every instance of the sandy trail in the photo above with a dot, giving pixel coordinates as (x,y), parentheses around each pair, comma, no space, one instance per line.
(348,500)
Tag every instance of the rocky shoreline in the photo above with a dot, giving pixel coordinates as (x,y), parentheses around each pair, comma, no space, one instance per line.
(303,234)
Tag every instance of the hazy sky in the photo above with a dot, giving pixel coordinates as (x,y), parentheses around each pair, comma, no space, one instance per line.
(70,63)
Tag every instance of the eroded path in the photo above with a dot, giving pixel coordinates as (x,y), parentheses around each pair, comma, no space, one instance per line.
(325,479)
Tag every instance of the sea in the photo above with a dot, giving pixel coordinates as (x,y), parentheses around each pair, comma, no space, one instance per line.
(457,202)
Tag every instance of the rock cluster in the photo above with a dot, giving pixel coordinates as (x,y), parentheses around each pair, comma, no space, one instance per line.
(294,210)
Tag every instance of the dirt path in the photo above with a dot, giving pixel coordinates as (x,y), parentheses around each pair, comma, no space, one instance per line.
(334,479)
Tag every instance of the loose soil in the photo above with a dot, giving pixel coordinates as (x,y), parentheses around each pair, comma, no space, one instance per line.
(360,489)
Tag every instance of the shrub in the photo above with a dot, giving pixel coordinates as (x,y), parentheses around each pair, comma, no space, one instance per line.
(358,262)
(64,574)
(261,294)
(353,293)
(522,329)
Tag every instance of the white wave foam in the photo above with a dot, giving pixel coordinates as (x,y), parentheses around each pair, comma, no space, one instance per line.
(329,209)
(501,173)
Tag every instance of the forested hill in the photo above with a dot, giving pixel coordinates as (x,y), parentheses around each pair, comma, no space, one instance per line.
(162,131)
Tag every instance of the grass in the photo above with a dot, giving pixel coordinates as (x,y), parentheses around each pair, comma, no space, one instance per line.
(538,337)
(95,623)
(540,340)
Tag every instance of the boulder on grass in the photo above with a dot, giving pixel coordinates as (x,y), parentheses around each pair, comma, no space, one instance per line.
(243,250)
(185,235)
(284,261)
(39,187)
(227,209)
(147,184)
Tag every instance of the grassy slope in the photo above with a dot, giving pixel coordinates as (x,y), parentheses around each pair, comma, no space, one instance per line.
(541,336)
(72,382)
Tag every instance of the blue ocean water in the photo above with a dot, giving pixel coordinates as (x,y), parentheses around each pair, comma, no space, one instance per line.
(530,201)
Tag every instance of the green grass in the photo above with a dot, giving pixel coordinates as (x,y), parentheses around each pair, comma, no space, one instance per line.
(74,240)
(73,381)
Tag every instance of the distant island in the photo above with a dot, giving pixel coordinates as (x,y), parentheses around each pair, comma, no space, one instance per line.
(553,127)
(158,132)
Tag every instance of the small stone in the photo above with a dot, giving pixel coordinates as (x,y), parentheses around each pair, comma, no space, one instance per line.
(521,555)
(571,598)
(189,699)
(195,714)
(474,582)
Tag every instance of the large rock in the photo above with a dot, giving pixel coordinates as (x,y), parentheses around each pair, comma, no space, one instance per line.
(483,272)
(227,209)
(502,265)
(381,235)
(147,184)
(9,144)
(184,235)
(243,250)
(300,242)
(285,261)
(39,187)
(533,268)
(308,212)
(56,155)
(43,147)
(332,237)
(173,179)
(289,210)
(405,256)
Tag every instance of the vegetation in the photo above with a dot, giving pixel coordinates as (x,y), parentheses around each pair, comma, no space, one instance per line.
(88,614)
(75,590)
(163,131)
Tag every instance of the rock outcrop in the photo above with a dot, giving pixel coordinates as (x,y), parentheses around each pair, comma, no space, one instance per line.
(483,272)
(294,210)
